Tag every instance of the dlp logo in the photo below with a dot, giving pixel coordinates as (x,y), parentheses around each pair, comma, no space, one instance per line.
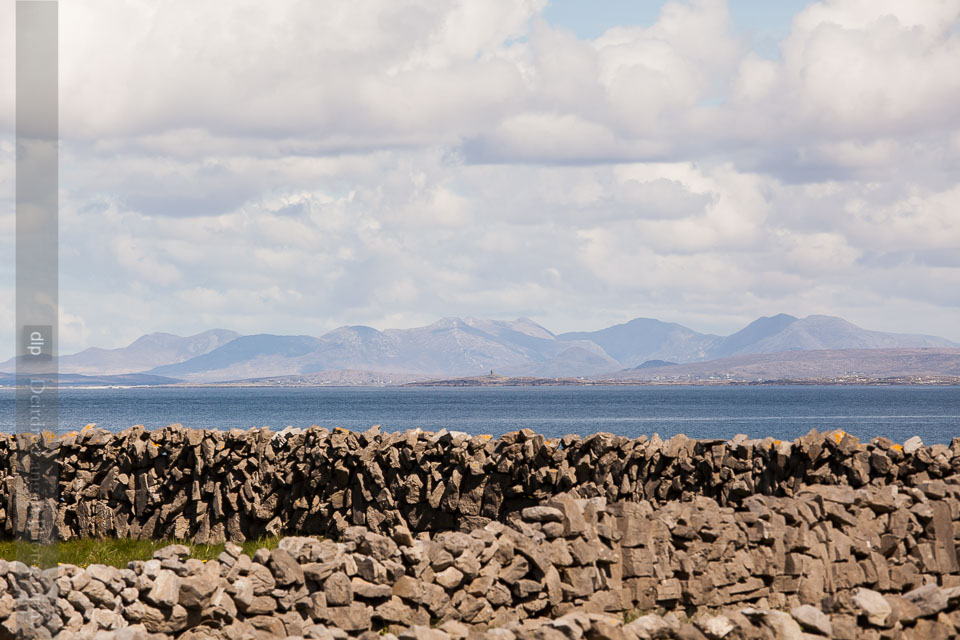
(38,340)
(35,346)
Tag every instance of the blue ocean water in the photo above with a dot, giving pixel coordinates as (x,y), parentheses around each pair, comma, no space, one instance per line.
(783,412)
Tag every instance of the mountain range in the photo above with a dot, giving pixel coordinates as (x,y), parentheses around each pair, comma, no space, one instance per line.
(471,346)
(147,352)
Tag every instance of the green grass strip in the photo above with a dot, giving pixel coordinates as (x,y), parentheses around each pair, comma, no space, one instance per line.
(116,552)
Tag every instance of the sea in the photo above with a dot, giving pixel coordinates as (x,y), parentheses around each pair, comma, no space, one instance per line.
(783,412)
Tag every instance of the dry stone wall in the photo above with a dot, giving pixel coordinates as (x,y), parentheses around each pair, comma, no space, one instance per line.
(212,486)
(443,536)
(830,562)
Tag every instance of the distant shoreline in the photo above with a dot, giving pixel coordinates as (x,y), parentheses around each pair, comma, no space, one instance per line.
(503,381)
(556,382)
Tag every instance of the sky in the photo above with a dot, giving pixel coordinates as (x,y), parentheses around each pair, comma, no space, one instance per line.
(294,166)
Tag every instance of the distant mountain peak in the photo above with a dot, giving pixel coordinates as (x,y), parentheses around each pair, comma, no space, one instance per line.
(359,329)
(816,332)
(649,364)
(521,325)
(751,334)
(451,322)
(641,339)
(160,337)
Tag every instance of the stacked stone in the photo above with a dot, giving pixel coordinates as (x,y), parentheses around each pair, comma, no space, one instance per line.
(492,577)
(832,561)
(828,550)
(212,486)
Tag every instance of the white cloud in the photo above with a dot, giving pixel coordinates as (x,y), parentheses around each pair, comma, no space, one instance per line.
(873,68)
(295,166)
(324,78)
(817,255)
(540,241)
(918,222)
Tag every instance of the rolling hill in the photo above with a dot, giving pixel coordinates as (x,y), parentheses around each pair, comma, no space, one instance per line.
(805,365)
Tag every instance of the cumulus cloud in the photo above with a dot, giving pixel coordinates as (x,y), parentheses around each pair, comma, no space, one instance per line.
(295,166)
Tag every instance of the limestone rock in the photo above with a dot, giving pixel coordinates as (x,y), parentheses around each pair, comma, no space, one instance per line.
(285,568)
(195,591)
(166,589)
(338,590)
(812,619)
(872,605)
